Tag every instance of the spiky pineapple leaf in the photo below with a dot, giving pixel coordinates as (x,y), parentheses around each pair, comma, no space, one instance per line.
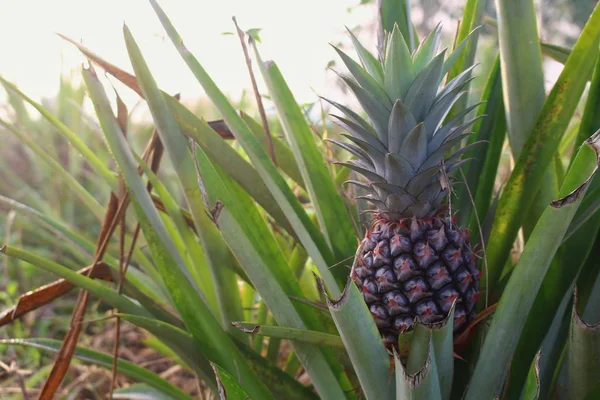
(461,57)
(378,113)
(401,122)
(540,148)
(176,146)
(424,88)
(201,322)
(399,71)
(428,48)
(201,132)
(368,60)
(362,341)
(525,281)
(417,376)
(255,247)
(306,231)
(414,147)
(561,276)
(329,207)
(364,79)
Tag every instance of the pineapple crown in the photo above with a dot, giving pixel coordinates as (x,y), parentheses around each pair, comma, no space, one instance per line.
(407,146)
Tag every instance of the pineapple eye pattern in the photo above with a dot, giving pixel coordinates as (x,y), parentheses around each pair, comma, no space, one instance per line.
(421,280)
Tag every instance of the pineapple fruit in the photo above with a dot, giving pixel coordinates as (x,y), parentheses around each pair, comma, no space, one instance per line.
(414,262)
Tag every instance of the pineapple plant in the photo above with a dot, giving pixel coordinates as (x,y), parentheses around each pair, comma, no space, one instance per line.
(414,262)
(235,241)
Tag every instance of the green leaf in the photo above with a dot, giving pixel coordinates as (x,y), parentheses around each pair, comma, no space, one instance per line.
(419,378)
(255,247)
(521,65)
(362,340)
(364,79)
(282,385)
(397,12)
(428,48)
(583,360)
(561,276)
(301,335)
(215,146)
(85,248)
(443,347)
(176,145)
(227,158)
(524,94)
(200,270)
(398,65)
(106,360)
(554,51)
(540,149)
(480,172)
(309,236)
(463,56)
(526,279)
(201,322)
(329,206)
(368,60)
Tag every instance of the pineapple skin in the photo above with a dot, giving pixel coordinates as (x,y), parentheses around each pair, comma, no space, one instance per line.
(413,268)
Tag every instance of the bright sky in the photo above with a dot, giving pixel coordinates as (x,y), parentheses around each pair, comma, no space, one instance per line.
(296,34)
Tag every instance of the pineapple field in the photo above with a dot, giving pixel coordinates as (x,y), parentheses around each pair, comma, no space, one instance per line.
(431,230)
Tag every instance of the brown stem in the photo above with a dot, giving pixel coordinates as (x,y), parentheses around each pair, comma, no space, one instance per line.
(259,102)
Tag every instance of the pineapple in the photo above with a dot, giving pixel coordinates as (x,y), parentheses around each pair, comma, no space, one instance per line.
(414,262)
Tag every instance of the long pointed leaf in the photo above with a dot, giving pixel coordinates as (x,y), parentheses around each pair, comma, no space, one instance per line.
(254,246)
(307,233)
(216,345)
(540,148)
(329,206)
(525,281)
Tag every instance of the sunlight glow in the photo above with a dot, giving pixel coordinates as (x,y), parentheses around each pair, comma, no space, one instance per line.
(295,34)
